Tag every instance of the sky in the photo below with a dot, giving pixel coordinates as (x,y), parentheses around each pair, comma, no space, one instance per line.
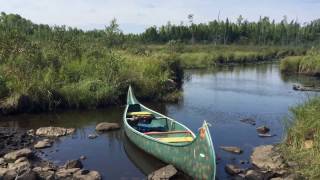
(135,16)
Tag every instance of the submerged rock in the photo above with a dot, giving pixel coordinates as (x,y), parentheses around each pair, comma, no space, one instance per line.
(233,169)
(43,144)
(249,121)
(266,158)
(263,129)
(92,136)
(17,154)
(163,173)
(254,175)
(232,149)
(54,131)
(107,126)
(266,135)
(73,164)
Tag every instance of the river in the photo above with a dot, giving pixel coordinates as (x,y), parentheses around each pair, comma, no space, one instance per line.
(222,97)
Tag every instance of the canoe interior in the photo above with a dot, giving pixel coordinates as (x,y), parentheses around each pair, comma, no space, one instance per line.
(156,125)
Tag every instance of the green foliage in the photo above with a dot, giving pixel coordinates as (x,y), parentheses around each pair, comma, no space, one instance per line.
(305,125)
(308,64)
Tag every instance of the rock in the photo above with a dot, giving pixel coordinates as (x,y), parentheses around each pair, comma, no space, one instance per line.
(253,175)
(249,121)
(28,175)
(244,162)
(44,173)
(263,129)
(308,144)
(3,171)
(107,126)
(232,149)
(266,135)
(92,136)
(2,162)
(264,157)
(65,173)
(54,131)
(164,173)
(10,174)
(43,144)
(30,132)
(73,164)
(21,160)
(83,157)
(19,167)
(26,152)
(87,175)
(233,169)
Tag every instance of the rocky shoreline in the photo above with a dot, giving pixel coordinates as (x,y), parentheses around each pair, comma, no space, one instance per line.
(20,156)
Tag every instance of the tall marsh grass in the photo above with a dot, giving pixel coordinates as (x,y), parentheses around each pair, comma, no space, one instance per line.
(305,126)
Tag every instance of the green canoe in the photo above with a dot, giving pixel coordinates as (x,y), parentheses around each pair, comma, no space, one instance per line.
(169,140)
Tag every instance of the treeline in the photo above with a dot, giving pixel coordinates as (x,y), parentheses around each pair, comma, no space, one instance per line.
(263,32)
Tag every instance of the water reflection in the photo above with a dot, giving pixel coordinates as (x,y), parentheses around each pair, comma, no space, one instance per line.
(222,97)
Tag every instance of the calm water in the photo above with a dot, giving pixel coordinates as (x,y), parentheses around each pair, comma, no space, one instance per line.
(221,97)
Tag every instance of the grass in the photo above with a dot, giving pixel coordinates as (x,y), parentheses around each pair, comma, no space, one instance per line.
(305,126)
(208,56)
(308,64)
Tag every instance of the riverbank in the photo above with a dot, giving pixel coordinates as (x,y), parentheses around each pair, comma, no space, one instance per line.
(209,55)
(302,140)
(308,64)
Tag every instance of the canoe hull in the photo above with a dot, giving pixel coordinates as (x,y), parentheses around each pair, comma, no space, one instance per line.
(196,158)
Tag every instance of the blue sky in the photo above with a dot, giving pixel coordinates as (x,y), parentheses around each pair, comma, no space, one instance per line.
(135,15)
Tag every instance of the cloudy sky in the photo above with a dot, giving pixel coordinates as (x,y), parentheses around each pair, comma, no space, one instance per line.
(135,15)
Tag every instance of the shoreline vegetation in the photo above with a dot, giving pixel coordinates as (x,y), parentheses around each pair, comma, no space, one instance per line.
(301,144)
(308,64)
(44,68)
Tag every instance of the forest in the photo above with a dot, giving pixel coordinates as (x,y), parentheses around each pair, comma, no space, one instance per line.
(46,67)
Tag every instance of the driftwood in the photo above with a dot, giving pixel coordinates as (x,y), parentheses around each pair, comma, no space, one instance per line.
(303,88)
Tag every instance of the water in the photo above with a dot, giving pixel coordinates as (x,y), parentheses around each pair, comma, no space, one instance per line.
(221,97)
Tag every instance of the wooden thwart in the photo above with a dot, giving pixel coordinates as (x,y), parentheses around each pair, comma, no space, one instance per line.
(167,132)
(175,139)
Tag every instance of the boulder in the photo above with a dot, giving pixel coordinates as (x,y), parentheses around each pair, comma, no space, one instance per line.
(73,164)
(66,173)
(10,174)
(266,158)
(26,152)
(164,173)
(87,175)
(44,173)
(43,144)
(20,166)
(27,175)
(253,175)
(107,126)
(263,129)
(233,169)
(21,160)
(54,131)
(232,149)
(3,171)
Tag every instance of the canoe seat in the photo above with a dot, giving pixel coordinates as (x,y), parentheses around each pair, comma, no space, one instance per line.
(140,113)
(167,132)
(175,139)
